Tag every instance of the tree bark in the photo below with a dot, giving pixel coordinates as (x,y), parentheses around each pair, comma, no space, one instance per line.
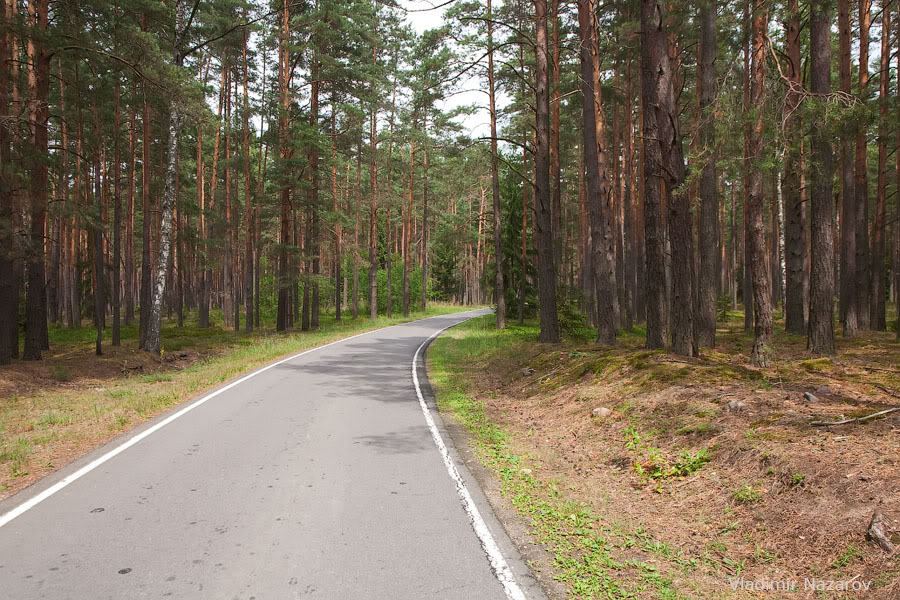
(8,308)
(39,114)
(794,247)
(849,303)
(709,199)
(499,291)
(542,222)
(863,282)
(248,203)
(821,288)
(598,190)
(117,224)
(877,309)
(762,299)
(153,343)
(653,46)
(284,275)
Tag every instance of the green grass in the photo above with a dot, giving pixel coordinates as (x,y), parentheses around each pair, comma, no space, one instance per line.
(584,550)
(85,416)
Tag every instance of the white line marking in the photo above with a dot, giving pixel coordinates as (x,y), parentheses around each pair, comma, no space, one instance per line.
(501,570)
(34,501)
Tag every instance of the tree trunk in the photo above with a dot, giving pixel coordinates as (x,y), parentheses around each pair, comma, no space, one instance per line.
(821,288)
(542,223)
(146,210)
(499,291)
(794,247)
(599,193)
(336,205)
(709,199)
(877,310)
(863,288)
(762,299)
(117,224)
(313,197)
(248,204)
(848,307)
(8,308)
(39,114)
(153,343)
(284,275)
(653,46)
(373,215)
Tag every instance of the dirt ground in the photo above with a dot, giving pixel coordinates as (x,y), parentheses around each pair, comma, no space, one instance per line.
(717,458)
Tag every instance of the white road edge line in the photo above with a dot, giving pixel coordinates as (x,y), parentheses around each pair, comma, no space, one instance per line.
(501,570)
(35,500)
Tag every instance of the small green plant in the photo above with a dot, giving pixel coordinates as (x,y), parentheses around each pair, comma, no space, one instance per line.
(690,463)
(798,479)
(60,373)
(846,557)
(748,494)
(763,556)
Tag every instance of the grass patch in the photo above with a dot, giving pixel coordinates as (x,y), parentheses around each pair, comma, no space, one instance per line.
(747,495)
(582,545)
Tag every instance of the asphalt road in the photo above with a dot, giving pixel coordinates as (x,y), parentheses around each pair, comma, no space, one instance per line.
(318,478)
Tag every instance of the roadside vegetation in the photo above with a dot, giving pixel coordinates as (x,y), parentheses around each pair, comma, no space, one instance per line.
(646,475)
(57,409)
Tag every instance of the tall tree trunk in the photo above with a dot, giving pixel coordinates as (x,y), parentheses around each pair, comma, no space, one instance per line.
(555,173)
(747,295)
(821,288)
(423,301)
(153,344)
(337,216)
(356,231)
(229,301)
(313,197)
(389,218)
(407,222)
(39,114)
(8,307)
(863,287)
(762,299)
(849,307)
(709,199)
(877,312)
(543,230)
(129,211)
(373,217)
(794,248)
(653,46)
(599,193)
(117,223)
(248,203)
(499,291)
(97,241)
(284,66)
(146,210)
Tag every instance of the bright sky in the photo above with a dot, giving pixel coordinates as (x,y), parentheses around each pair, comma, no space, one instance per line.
(475,125)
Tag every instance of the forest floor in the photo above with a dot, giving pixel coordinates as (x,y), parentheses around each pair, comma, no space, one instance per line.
(54,410)
(645,475)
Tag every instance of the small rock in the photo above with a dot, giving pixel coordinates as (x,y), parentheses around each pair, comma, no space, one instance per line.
(526,471)
(736,405)
(527,371)
(809,397)
(601,412)
(824,390)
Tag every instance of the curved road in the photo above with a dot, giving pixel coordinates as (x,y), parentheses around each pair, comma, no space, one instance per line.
(318,477)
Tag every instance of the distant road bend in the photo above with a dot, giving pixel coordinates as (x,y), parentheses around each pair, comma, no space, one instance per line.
(325,475)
